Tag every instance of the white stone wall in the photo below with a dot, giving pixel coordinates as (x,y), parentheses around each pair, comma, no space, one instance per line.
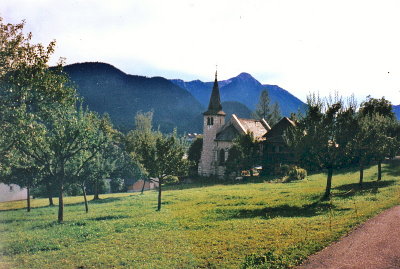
(207,163)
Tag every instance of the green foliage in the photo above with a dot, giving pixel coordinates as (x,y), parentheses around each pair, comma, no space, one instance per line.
(373,106)
(117,185)
(322,137)
(243,155)
(160,156)
(265,111)
(194,154)
(292,172)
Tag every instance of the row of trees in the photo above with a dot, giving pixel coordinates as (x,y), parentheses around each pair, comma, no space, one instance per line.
(334,134)
(48,140)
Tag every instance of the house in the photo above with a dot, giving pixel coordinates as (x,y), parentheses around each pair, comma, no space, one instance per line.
(12,192)
(137,186)
(275,148)
(218,136)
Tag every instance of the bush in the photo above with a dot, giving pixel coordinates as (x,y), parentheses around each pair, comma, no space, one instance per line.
(293,173)
(117,185)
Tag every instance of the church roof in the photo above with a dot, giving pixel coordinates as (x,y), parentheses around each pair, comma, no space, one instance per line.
(215,107)
(237,126)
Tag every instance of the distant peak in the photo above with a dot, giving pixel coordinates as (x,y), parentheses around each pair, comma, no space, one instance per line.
(245,75)
(94,66)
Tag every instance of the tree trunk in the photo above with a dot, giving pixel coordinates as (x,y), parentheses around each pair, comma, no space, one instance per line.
(50,194)
(327,194)
(379,170)
(159,195)
(85,198)
(361,174)
(61,203)
(28,199)
(96,190)
(144,183)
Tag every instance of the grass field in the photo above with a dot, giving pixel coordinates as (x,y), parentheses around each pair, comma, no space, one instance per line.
(218,226)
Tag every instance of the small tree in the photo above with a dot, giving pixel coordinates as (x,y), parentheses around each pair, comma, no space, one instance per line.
(244,154)
(194,154)
(168,162)
(265,111)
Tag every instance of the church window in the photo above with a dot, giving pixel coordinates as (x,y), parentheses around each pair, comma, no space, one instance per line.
(210,121)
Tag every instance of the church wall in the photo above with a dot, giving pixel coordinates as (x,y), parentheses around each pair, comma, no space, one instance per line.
(208,160)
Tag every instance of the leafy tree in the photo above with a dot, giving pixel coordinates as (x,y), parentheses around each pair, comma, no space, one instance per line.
(160,156)
(361,143)
(243,155)
(373,106)
(321,139)
(141,141)
(167,162)
(21,172)
(376,115)
(194,154)
(57,143)
(265,111)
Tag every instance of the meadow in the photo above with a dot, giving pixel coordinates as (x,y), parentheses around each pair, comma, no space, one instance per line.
(199,226)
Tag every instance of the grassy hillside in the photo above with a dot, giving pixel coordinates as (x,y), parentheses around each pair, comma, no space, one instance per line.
(199,226)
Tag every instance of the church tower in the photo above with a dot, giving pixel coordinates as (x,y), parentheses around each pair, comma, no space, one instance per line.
(213,119)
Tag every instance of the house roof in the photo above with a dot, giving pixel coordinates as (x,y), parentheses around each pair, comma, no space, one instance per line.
(275,135)
(238,126)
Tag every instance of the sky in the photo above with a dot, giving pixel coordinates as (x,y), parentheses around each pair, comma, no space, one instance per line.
(349,47)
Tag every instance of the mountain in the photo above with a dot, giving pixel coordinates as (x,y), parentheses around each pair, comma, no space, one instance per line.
(107,89)
(245,89)
(396,110)
(233,107)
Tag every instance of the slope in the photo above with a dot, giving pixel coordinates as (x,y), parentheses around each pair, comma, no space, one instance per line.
(107,89)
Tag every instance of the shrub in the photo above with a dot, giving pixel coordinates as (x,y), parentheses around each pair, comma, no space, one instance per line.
(294,173)
(117,185)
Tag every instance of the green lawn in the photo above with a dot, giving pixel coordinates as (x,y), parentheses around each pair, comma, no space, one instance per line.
(207,227)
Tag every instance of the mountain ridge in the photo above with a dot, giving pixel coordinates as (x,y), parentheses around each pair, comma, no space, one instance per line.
(106,89)
(243,88)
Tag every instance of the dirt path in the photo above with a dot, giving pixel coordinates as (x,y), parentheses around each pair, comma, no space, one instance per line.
(374,244)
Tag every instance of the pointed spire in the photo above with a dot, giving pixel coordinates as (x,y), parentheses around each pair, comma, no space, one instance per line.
(215,107)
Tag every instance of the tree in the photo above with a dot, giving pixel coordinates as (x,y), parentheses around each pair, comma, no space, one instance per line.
(321,139)
(244,154)
(361,143)
(263,106)
(275,115)
(194,154)
(30,94)
(141,141)
(377,115)
(21,172)
(373,106)
(265,111)
(167,162)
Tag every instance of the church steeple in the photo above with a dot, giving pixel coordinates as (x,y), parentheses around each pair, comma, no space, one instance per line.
(215,107)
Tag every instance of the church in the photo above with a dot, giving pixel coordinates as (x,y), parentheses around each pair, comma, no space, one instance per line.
(218,136)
